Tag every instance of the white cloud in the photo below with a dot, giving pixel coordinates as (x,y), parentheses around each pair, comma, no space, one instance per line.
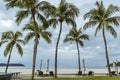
(1,2)
(2,15)
(97,47)
(7,23)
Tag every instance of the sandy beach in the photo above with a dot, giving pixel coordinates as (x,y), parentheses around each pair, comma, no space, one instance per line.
(24,72)
(62,72)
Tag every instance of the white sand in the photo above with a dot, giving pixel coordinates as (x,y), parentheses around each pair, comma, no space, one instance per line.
(60,71)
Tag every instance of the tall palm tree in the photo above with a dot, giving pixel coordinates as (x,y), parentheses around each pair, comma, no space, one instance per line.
(77,36)
(12,39)
(104,19)
(40,33)
(65,12)
(34,10)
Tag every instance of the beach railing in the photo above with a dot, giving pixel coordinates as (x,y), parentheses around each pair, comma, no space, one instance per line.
(5,76)
(15,74)
(8,76)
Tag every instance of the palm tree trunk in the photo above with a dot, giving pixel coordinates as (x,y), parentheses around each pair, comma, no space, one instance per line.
(34,57)
(78,56)
(106,52)
(8,60)
(56,51)
(35,48)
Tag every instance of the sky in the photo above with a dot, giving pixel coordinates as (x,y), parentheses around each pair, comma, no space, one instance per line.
(93,50)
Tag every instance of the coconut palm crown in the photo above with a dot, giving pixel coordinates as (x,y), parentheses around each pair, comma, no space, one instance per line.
(41,32)
(12,40)
(103,19)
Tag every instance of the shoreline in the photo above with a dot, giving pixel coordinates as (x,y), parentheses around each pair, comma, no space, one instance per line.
(61,72)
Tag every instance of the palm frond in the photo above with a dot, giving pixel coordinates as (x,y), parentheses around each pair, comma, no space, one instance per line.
(53,22)
(18,34)
(79,31)
(20,41)
(41,18)
(22,14)
(19,48)
(7,35)
(90,24)
(50,11)
(29,27)
(46,7)
(111,10)
(112,31)
(42,3)
(98,28)
(70,21)
(15,3)
(114,20)
(100,6)
(46,36)
(81,43)
(10,3)
(84,37)
(29,36)
(69,14)
(68,39)
(74,9)
(88,14)
(63,6)
(8,48)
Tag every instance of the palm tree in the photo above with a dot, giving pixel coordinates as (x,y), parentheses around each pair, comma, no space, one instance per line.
(105,19)
(77,37)
(32,9)
(40,33)
(65,12)
(12,39)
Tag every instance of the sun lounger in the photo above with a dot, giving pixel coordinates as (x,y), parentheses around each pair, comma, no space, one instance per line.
(40,73)
(90,73)
(79,73)
(51,73)
(113,73)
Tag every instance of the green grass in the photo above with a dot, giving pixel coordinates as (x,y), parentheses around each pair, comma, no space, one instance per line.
(81,78)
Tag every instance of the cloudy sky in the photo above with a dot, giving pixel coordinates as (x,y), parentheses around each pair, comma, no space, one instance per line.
(92,52)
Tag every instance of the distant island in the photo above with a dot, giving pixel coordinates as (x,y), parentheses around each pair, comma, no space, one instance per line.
(11,64)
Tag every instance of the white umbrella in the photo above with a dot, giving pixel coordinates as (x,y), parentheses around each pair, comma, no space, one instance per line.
(40,64)
(84,68)
(114,66)
(117,67)
(47,66)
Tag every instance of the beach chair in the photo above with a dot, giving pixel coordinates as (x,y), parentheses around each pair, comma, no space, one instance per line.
(90,73)
(79,73)
(40,73)
(51,73)
(113,73)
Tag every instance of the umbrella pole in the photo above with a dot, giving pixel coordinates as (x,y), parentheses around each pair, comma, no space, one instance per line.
(40,65)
